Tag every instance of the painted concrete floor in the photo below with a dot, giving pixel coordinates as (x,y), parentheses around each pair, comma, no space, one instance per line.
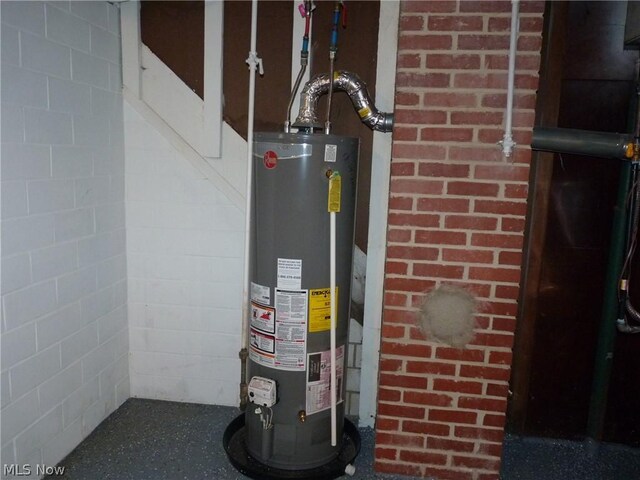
(544,458)
(155,440)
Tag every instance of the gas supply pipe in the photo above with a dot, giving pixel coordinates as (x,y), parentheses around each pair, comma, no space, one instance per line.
(305,9)
(333,49)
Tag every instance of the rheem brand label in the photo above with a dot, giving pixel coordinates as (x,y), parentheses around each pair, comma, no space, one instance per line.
(270,159)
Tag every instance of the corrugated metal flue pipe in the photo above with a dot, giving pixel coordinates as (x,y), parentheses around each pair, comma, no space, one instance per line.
(582,142)
(358,93)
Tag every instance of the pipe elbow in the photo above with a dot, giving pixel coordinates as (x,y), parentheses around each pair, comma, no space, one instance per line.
(381,122)
(357,91)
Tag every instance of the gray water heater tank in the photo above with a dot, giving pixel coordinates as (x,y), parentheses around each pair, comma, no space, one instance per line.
(289,344)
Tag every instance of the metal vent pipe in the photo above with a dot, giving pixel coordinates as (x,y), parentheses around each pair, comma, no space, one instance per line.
(354,87)
(582,142)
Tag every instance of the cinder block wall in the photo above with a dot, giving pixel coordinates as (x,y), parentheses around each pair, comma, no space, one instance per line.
(354,368)
(184,253)
(457,211)
(64,318)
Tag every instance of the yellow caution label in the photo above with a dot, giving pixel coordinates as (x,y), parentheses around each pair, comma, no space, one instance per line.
(335,192)
(364,112)
(320,309)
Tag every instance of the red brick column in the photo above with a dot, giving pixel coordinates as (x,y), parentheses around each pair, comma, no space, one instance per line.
(457,211)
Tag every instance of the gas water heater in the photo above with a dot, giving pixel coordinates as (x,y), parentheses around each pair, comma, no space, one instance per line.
(290,294)
(302,206)
(287,425)
(301,237)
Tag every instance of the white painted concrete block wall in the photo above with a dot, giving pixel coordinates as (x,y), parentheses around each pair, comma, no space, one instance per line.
(354,368)
(64,362)
(184,258)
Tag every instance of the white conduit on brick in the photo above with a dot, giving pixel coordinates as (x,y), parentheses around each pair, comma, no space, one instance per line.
(507,140)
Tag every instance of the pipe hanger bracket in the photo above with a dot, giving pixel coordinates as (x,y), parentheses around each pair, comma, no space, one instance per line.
(255,62)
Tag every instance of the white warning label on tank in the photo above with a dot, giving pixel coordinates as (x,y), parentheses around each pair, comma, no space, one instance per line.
(262,348)
(261,341)
(330,153)
(291,329)
(263,318)
(260,294)
(319,380)
(260,356)
(289,273)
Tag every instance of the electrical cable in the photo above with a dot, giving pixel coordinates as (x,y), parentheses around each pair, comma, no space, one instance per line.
(624,282)
(629,311)
(265,419)
(634,206)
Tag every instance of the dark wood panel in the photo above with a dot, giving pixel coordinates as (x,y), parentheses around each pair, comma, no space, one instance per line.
(547,107)
(587,81)
(174,31)
(607,60)
(601,105)
(275,21)
(622,422)
(357,53)
(570,295)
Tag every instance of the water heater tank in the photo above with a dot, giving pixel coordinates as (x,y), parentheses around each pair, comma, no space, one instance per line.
(289,343)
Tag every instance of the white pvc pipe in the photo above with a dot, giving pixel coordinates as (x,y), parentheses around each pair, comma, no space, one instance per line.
(253,64)
(332,286)
(507,140)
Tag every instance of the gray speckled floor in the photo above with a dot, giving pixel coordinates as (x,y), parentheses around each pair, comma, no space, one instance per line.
(543,458)
(155,440)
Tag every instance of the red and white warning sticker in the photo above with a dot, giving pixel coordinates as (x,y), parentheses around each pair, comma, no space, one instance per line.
(260,341)
(263,318)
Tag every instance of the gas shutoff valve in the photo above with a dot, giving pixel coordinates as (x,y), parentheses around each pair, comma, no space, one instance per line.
(262,391)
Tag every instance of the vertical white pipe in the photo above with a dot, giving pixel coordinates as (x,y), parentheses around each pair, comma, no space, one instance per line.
(253,64)
(507,140)
(332,286)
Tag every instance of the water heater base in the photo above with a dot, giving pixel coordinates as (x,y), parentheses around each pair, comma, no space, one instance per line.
(235,446)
